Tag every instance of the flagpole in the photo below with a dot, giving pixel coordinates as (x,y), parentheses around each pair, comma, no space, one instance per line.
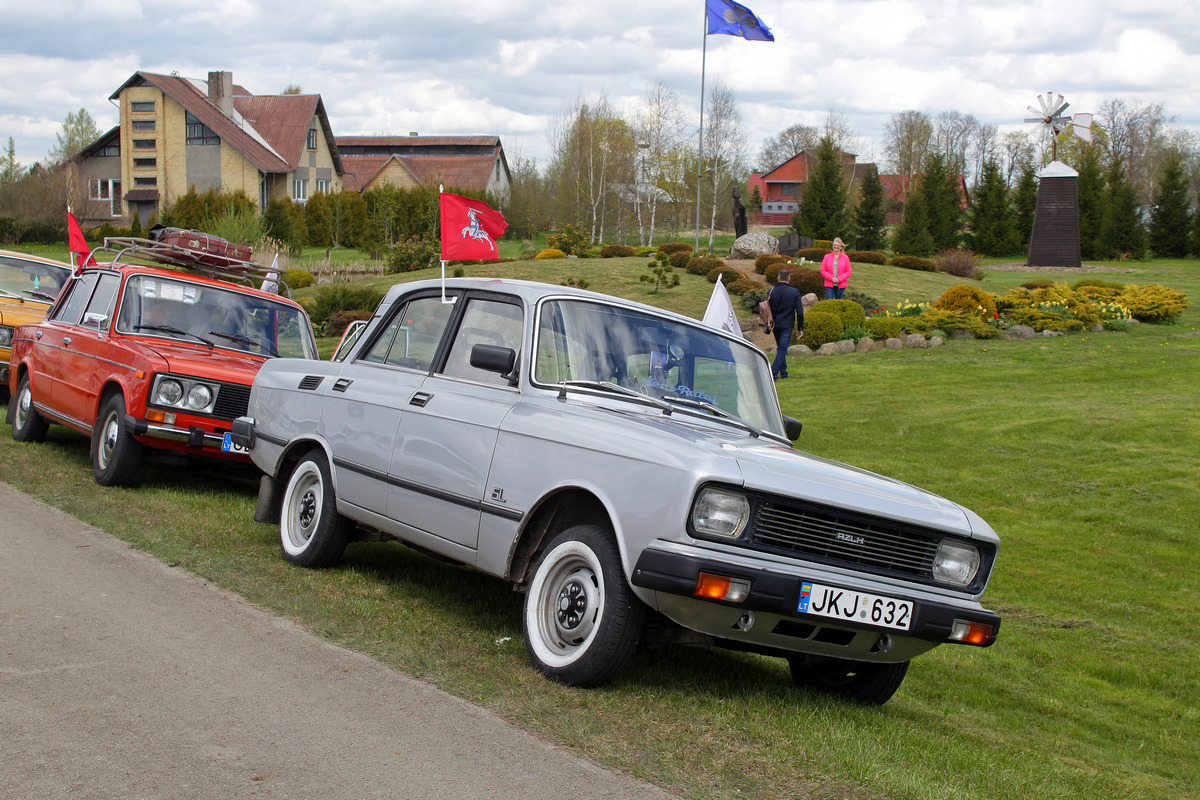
(700,144)
(441,248)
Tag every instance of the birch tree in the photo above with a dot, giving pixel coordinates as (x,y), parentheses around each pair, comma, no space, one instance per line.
(724,147)
(661,127)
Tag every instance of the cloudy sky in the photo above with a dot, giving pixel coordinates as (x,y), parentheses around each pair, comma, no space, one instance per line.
(511,67)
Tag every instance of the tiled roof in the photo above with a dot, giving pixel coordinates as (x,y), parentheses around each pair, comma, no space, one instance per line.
(417,141)
(462,172)
(283,120)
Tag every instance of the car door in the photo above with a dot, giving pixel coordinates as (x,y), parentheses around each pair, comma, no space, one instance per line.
(88,354)
(362,409)
(447,435)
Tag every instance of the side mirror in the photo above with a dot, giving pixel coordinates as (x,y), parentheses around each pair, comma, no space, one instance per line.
(493,358)
(792,427)
(99,320)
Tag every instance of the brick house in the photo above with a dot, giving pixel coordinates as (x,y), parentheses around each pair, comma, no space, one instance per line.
(178,133)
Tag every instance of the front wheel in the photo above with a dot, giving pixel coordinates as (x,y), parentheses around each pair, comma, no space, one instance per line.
(116,455)
(311,531)
(28,425)
(867,682)
(582,622)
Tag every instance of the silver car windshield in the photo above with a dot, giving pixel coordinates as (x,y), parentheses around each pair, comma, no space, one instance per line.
(203,313)
(579,340)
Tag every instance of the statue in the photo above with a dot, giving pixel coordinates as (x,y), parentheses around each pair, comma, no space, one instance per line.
(739,213)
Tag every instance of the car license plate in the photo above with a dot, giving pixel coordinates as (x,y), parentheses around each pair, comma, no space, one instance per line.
(228,445)
(850,606)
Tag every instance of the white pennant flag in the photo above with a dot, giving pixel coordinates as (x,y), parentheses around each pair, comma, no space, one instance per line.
(719,313)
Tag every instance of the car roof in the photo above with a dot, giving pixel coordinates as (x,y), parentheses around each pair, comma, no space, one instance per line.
(191,275)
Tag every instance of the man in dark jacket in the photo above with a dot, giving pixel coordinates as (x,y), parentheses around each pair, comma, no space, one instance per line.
(788,313)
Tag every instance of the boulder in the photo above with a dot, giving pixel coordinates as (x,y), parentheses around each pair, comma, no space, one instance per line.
(800,350)
(865,344)
(829,349)
(846,345)
(893,344)
(808,301)
(1020,332)
(788,244)
(753,245)
(914,340)
(960,334)
(1049,334)
(936,341)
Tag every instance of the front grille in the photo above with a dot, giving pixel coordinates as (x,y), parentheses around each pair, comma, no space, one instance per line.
(827,534)
(232,401)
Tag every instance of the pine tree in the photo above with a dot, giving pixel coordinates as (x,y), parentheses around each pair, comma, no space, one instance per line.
(823,208)
(1121,232)
(1169,221)
(869,216)
(913,238)
(942,200)
(1091,199)
(1025,204)
(992,232)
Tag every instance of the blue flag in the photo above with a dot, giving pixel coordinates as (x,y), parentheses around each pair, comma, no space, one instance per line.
(725,16)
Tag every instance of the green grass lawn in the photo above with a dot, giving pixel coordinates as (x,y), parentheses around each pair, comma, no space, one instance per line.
(1080,451)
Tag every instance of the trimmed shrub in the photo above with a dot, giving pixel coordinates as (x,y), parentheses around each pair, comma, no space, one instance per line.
(958,262)
(551,252)
(767,259)
(298,278)
(867,256)
(1037,283)
(1041,320)
(813,253)
(743,285)
(702,265)
(913,262)
(338,320)
(885,327)
(680,258)
(341,297)
(969,300)
(1153,303)
(728,274)
(413,254)
(617,251)
(823,244)
(950,320)
(821,327)
(1103,284)
(870,304)
(675,247)
(805,279)
(848,311)
(752,298)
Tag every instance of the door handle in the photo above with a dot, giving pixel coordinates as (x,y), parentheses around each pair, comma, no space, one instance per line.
(342,384)
(66,341)
(420,399)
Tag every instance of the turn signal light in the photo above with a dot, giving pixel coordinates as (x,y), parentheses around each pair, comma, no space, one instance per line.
(969,632)
(161,417)
(719,587)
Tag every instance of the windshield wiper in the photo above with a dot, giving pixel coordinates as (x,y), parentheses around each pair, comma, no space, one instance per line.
(174,330)
(242,338)
(615,388)
(40,295)
(713,409)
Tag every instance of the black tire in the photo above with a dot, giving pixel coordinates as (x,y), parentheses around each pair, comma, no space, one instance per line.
(582,622)
(28,425)
(311,531)
(116,455)
(867,682)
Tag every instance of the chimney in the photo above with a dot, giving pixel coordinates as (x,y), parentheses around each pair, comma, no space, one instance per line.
(220,91)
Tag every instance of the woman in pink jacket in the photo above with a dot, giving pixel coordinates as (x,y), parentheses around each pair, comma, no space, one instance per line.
(835,268)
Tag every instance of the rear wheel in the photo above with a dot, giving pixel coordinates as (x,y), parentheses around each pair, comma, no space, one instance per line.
(582,622)
(28,425)
(311,531)
(865,682)
(116,455)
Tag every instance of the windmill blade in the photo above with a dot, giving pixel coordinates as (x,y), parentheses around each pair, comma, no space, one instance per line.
(1058,112)
(1035,119)
(1044,103)
(1081,126)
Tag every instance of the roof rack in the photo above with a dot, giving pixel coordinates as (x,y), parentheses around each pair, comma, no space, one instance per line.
(226,268)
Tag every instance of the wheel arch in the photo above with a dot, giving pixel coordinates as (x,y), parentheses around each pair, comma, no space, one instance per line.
(562,509)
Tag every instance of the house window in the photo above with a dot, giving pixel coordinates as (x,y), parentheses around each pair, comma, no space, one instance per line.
(199,133)
(300,190)
(143,106)
(145,163)
(323,185)
(789,189)
(312,138)
(145,182)
(106,189)
(111,149)
(143,144)
(143,124)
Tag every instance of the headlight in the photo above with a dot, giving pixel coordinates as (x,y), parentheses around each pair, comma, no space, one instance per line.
(955,563)
(199,397)
(6,333)
(169,392)
(718,512)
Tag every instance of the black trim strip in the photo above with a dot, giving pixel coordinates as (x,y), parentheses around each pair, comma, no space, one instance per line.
(429,491)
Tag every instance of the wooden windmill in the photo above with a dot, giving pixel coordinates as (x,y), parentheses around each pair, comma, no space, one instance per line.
(1054,241)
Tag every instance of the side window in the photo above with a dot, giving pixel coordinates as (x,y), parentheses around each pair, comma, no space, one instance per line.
(102,302)
(412,336)
(81,292)
(484,322)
